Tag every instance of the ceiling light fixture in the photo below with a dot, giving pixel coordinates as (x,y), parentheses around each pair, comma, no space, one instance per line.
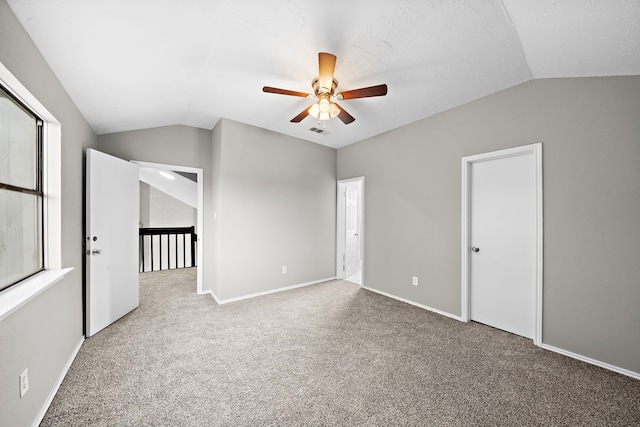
(324,90)
(324,109)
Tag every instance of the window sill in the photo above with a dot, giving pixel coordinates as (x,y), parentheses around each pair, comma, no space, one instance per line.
(18,295)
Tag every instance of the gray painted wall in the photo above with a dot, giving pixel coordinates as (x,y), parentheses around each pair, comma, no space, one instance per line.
(591,156)
(172,145)
(43,334)
(277,207)
(269,201)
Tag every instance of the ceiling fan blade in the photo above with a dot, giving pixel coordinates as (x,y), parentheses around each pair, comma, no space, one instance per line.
(302,115)
(270,89)
(344,116)
(326,65)
(365,92)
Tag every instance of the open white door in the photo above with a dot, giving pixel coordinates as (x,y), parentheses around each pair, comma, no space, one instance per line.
(112,195)
(351,229)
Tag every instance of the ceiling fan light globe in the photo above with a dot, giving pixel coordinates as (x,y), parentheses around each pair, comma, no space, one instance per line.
(333,110)
(314,111)
(324,105)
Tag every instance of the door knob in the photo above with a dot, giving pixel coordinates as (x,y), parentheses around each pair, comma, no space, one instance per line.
(474,249)
(96,252)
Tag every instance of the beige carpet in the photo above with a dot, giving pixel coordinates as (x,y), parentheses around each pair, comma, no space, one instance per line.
(327,354)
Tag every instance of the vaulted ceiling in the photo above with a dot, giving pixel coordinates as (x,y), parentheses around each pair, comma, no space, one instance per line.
(148,63)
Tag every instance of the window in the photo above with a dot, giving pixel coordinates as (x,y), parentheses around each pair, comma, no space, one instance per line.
(21,192)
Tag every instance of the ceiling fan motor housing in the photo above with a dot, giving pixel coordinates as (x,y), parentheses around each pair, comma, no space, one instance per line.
(315,84)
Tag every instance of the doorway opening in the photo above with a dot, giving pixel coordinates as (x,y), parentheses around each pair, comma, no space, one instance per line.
(193,174)
(504,167)
(350,230)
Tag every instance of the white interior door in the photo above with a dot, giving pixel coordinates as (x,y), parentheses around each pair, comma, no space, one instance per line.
(503,243)
(113,205)
(350,256)
(351,229)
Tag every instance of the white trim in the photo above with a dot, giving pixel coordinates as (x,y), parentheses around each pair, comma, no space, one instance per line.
(536,150)
(591,361)
(20,294)
(200,215)
(52,194)
(57,385)
(340,226)
(425,307)
(272,291)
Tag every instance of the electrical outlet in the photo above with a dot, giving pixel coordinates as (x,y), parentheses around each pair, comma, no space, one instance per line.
(415,281)
(284,269)
(24,382)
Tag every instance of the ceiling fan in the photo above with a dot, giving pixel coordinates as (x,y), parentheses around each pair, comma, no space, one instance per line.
(324,90)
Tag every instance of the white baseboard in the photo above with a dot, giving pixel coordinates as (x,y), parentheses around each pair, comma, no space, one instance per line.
(57,385)
(586,359)
(272,291)
(591,361)
(425,307)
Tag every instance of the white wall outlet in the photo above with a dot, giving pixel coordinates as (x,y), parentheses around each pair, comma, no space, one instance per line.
(24,382)
(415,281)
(284,269)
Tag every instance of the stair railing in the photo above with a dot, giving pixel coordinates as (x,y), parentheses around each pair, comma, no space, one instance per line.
(167,241)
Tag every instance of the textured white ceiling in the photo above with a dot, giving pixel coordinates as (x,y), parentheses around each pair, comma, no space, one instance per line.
(147,63)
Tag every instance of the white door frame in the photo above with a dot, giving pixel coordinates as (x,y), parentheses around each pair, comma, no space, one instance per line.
(536,150)
(200,215)
(340,226)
